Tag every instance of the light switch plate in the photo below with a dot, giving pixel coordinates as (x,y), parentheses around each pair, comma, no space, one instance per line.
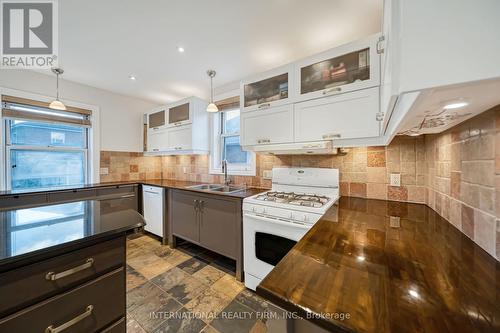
(395,179)
(267,174)
(103,171)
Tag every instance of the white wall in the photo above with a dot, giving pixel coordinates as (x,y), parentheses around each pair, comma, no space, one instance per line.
(121,117)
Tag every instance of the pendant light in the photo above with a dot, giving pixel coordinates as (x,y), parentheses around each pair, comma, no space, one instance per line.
(212,107)
(57,104)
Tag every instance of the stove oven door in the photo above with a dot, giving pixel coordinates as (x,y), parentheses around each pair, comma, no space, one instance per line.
(265,242)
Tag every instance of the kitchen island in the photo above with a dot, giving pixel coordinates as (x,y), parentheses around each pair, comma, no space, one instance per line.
(62,266)
(386,266)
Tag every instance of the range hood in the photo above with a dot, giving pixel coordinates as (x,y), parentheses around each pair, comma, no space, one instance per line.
(298,148)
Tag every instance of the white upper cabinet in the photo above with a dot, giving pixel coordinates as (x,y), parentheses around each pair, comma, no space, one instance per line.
(180,113)
(185,130)
(180,138)
(267,90)
(345,116)
(268,126)
(157,140)
(440,51)
(157,118)
(343,69)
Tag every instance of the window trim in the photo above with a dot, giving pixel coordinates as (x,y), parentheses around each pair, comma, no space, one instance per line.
(93,133)
(216,143)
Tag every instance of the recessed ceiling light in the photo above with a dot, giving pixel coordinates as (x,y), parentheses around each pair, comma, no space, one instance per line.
(132,77)
(455,105)
(361,258)
(180,49)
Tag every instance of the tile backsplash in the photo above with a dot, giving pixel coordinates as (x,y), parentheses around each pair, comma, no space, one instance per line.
(457,173)
(129,166)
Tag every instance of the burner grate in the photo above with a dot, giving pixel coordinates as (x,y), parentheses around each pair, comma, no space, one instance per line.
(303,199)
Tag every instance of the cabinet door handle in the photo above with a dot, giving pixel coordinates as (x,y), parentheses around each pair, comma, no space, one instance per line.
(332,90)
(80,317)
(331,136)
(201,205)
(155,149)
(129,195)
(52,276)
(196,207)
(264,105)
(263,141)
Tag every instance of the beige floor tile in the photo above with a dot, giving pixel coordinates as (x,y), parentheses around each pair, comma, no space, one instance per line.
(209,329)
(171,255)
(228,285)
(155,268)
(142,260)
(208,304)
(209,275)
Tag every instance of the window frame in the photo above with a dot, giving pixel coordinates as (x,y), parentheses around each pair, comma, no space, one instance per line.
(93,134)
(217,147)
(9,147)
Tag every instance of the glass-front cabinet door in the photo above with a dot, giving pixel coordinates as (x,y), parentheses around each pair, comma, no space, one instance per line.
(156,119)
(346,68)
(179,114)
(267,90)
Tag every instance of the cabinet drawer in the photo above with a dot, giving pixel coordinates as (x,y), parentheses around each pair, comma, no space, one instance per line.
(120,190)
(118,327)
(85,309)
(27,285)
(22,200)
(71,195)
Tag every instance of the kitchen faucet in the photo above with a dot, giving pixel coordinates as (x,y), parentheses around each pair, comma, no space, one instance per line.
(224,169)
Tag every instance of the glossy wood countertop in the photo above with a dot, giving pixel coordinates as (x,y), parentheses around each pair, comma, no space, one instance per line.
(420,274)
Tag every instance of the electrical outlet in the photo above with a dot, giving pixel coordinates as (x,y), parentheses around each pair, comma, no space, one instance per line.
(395,179)
(394,221)
(103,171)
(267,174)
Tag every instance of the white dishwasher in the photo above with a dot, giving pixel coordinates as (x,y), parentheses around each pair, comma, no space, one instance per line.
(153,203)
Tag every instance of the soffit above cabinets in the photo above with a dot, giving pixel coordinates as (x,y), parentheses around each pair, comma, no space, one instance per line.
(428,115)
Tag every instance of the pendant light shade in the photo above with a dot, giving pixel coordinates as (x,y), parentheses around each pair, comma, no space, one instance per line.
(57,104)
(212,107)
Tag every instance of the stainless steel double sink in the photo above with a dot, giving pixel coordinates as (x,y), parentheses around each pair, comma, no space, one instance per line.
(218,188)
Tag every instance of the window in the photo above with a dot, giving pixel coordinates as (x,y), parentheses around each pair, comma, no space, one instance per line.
(226,143)
(44,148)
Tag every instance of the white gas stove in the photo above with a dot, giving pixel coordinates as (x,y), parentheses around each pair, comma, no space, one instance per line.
(274,221)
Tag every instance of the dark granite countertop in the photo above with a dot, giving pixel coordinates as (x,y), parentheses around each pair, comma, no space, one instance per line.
(29,233)
(419,274)
(167,183)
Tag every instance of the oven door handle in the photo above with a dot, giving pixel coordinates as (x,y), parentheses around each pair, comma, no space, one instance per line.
(277,221)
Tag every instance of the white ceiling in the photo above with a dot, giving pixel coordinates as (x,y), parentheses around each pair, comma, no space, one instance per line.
(103,42)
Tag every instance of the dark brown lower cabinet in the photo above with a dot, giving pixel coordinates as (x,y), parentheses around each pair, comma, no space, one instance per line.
(82,291)
(209,220)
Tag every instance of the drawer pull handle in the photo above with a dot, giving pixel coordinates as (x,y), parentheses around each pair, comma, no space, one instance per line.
(52,276)
(264,105)
(128,196)
(88,312)
(332,90)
